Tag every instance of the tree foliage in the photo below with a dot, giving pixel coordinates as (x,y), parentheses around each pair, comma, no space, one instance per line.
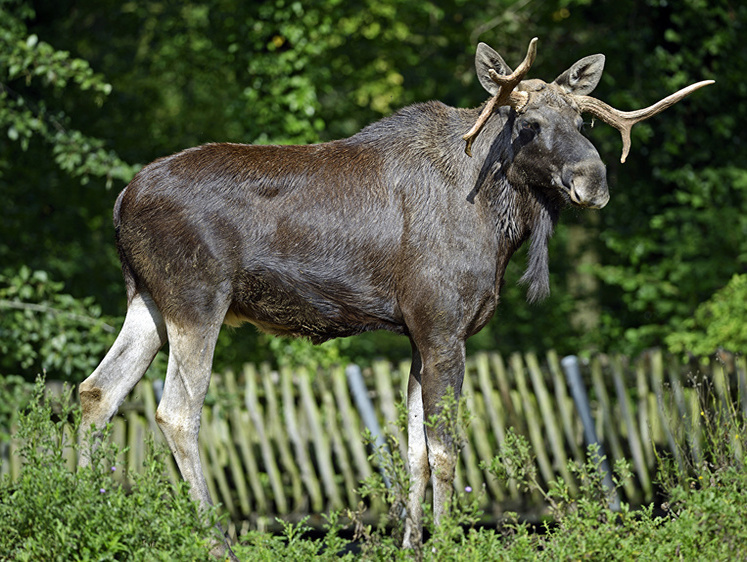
(44,329)
(88,92)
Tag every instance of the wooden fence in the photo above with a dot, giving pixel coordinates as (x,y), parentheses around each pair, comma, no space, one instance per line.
(289,443)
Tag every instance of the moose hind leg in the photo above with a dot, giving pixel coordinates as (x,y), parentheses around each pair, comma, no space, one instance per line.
(179,412)
(101,394)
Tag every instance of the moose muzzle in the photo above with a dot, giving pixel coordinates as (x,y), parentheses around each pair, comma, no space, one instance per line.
(586,183)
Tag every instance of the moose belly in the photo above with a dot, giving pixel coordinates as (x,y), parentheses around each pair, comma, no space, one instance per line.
(302,305)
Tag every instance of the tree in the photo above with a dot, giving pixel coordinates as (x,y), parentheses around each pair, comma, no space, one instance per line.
(181,74)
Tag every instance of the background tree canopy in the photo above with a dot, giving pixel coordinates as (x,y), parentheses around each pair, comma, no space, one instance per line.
(90,91)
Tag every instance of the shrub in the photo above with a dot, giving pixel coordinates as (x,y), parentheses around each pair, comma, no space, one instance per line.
(719,322)
(53,513)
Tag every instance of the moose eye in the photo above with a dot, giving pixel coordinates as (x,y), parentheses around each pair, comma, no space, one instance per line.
(530,127)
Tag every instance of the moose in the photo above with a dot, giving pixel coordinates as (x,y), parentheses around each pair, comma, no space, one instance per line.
(400,227)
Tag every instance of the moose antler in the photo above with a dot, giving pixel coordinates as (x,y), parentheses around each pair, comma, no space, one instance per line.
(623,121)
(505,96)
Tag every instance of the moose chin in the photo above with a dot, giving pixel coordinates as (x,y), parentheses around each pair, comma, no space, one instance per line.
(401,227)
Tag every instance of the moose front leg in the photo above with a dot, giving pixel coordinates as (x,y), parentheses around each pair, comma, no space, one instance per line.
(417,456)
(442,445)
(431,443)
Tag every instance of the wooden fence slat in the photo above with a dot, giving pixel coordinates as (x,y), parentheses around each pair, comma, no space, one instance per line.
(223,421)
(530,408)
(4,456)
(404,377)
(491,398)
(332,426)
(657,384)
(240,424)
(251,401)
(511,402)
(623,399)
(208,470)
(238,435)
(353,433)
(499,419)
(741,368)
(686,428)
(387,402)
(213,445)
(550,421)
(477,434)
(675,383)
(319,439)
(490,406)
(119,436)
(68,451)
(644,413)
(459,474)
(135,442)
(276,433)
(695,438)
(306,468)
(350,424)
(145,389)
(608,419)
(721,384)
(13,451)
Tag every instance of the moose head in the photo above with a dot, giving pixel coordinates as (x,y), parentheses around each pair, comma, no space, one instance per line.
(546,115)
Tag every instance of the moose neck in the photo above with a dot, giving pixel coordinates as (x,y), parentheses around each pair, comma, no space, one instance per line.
(519,210)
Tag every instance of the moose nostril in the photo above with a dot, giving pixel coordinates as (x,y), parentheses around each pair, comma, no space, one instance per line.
(586,183)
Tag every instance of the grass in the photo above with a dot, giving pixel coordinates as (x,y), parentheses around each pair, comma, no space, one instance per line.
(52,513)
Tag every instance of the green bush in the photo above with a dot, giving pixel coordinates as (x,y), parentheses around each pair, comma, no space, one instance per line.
(15,393)
(702,518)
(53,513)
(720,322)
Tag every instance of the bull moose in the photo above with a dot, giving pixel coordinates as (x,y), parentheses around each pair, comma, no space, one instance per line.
(400,227)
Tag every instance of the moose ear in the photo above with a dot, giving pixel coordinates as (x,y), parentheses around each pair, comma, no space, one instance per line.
(582,77)
(485,59)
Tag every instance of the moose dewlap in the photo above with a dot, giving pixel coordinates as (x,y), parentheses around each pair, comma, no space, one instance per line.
(400,227)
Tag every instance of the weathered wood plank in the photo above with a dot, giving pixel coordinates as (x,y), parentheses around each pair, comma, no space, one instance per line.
(319,439)
(551,422)
(251,402)
(245,462)
(530,407)
(277,434)
(564,403)
(634,439)
(305,466)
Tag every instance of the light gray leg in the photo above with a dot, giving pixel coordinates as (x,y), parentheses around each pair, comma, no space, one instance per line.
(417,458)
(180,409)
(442,448)
(442,457)
(432,450)
(101,394)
